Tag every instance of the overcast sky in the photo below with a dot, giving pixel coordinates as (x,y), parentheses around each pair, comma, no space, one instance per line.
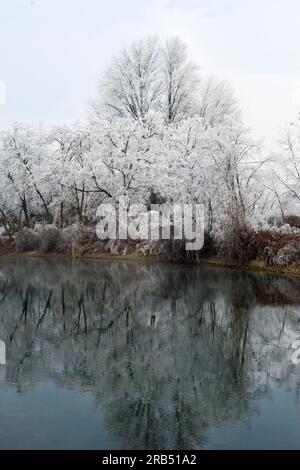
(53,51)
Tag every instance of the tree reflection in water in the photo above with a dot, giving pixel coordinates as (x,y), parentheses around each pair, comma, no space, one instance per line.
(169,352)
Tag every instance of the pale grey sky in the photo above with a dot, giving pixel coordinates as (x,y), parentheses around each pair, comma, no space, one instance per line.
(53,51)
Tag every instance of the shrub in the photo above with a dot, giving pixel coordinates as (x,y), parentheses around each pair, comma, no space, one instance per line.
(26,240)
(292,221)
(84,240)
(169,250)
(237,243)
(7,245)
(50,239)
(276,248)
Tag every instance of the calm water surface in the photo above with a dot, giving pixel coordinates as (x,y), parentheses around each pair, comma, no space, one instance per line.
(106,355)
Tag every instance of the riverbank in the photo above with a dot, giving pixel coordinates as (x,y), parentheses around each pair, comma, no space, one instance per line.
(254,265)
(266,251)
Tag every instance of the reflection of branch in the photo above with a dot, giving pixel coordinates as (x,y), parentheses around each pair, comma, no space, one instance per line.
(81,308)
(23,314)
(282,328)
(47,306)
(4,291)
(29,349)
(244,342)
(101,330)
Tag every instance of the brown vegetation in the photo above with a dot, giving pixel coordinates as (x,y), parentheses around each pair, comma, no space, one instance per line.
(269,249)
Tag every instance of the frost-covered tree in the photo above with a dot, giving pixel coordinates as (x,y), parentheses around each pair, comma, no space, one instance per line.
(216,102)
(24,171)
(71,146)
(288,171)
(66,172)
(166,138)
(132,84)
(180,77)
(148,77)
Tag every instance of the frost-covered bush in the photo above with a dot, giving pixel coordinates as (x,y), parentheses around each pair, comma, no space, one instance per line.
(233,242)
(169,250)
(50,239)
(283,229)
(275,247)
(27,240)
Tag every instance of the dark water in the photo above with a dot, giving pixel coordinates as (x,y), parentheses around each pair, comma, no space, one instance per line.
(120,355)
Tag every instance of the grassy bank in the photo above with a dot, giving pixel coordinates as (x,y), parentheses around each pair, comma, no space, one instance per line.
(292,269)
(270,251)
